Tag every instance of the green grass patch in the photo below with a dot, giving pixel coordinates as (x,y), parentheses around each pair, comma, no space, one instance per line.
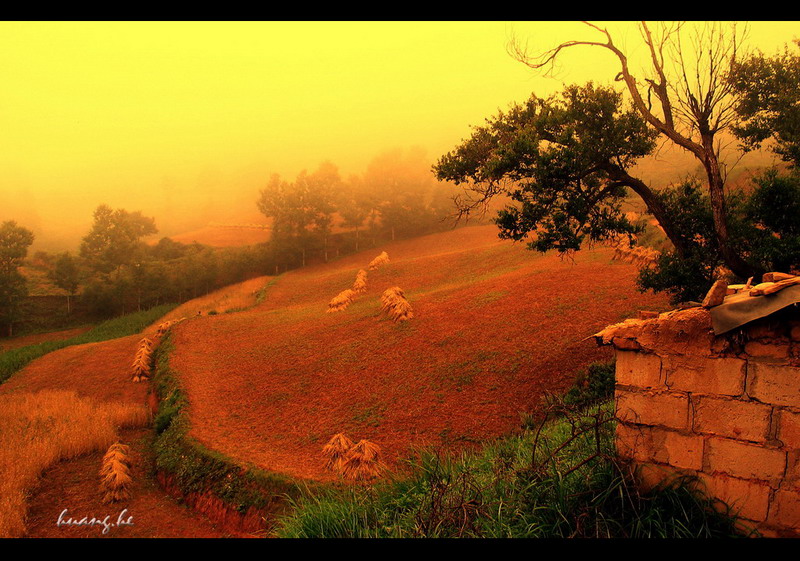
(13,360)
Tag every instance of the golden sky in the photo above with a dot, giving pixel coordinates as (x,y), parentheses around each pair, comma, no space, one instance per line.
(179,118)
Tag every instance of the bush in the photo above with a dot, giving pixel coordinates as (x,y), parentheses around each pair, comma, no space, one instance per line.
(560,479)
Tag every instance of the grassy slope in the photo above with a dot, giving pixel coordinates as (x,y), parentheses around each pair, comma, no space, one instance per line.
(496,327)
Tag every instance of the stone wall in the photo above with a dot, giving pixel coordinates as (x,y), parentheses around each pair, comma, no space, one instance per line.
(724,409)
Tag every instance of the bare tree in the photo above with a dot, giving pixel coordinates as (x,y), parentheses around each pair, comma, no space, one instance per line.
(683,95)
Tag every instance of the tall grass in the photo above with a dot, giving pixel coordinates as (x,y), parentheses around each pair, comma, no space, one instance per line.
(558,480)
(39,429)
(15,359)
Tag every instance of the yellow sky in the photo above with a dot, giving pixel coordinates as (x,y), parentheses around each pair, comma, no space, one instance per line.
(175,118)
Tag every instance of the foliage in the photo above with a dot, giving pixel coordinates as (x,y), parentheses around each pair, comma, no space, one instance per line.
(114,238)
(561,481)
(593,385)
(763,227)
(768,102)
(66,275)
(559,159)
(14,243)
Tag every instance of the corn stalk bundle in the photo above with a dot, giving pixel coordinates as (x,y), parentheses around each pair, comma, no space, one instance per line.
(336,450)
(140,369)
(341,301)
(378,261)
(360,284)
(115,477)
(164,326)
(362,462)
(394,303)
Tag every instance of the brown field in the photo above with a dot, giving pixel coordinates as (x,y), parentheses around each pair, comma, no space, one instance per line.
(25,340)
(495,327)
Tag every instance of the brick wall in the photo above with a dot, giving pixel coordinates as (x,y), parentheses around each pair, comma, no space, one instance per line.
(724,409)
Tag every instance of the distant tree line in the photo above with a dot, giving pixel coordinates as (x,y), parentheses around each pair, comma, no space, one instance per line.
(396,197)
(316,217)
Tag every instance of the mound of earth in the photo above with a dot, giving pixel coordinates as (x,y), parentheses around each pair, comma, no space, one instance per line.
(495,328)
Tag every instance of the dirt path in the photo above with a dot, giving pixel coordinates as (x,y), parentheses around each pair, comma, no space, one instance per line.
(100,371)
(72,486)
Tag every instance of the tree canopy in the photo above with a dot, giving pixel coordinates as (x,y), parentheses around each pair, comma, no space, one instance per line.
(563,159)
(14,243)
(113,240)
(768,102)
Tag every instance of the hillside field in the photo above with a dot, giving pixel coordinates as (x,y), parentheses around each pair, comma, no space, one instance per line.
(495,327)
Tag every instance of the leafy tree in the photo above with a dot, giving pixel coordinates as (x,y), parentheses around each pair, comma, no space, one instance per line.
(684,97)
(14,243)
(66,275)
(564,160)
(768,102)
(301,211)
(114,238)
(353,206)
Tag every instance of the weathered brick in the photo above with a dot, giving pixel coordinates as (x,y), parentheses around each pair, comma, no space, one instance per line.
(678,450)
(653,475)
(653,408)
(773,350)
(794,334)
(777,384)
(719,376)
(789,428)
(785,508)
(792,478)
(750,499)
(740,459)
(743,420)
(639,369)
(653,444)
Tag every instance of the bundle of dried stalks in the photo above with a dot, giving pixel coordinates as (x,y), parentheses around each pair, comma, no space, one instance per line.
(360,284)
(335,451)
(395,304)
(378,261)
(363,462)
(115,477)
(164,326)
(341,301)
(140,369)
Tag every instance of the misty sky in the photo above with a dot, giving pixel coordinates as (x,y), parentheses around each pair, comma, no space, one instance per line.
(186,121)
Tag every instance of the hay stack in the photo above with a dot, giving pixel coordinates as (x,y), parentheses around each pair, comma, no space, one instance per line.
(115,477)
(363,462)
(378,261)
(394,303)
(140,369)
(164,326)
(341,301)
(360,284)
(336,450)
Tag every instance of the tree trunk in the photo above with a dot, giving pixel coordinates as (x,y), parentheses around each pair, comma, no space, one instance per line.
(653,204)
(716,190)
